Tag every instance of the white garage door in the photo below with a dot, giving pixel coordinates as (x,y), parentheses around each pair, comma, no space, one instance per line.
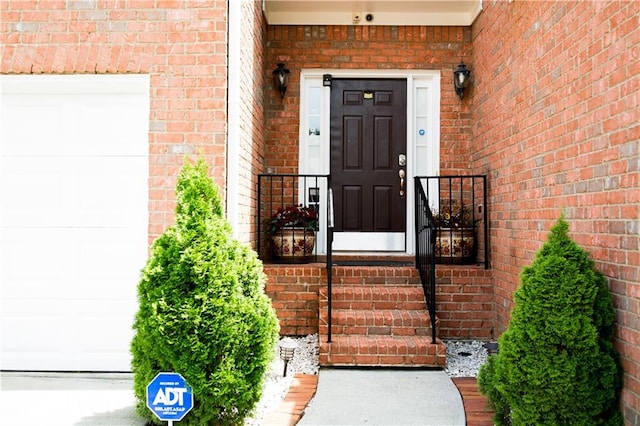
(73,219)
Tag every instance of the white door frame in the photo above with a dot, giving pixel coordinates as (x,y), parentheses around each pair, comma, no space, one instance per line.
(423,131)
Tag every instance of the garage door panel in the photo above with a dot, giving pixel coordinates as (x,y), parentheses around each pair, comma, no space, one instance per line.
(87,262)
(62,324)
(35,139)
(30,187)
(69,115)
(72,307)
(113,361)
(117,138)
(74,192)
(56,290)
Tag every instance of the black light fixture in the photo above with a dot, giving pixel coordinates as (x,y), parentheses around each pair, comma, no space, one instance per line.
(281,78)
(287,348)
(461,79)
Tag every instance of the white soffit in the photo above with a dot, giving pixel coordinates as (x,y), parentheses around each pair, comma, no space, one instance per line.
(381,12)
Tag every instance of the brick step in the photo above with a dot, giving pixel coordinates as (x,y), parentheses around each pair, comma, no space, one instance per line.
(382,351)
(379,318)
(392,322)
(375,275)
(375,297)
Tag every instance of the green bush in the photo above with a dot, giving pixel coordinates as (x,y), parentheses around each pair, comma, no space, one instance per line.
(202,310)
(556,363)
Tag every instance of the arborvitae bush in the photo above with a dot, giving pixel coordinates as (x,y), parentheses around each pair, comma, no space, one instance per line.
(202,310)
(556,363)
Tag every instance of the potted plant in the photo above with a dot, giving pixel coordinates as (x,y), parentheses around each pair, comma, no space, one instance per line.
(292,230)
(455,235)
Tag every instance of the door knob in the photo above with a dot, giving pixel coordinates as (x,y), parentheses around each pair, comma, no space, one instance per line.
(401,174)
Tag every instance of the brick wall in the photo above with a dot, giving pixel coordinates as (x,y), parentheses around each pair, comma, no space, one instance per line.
(184,49)
(366,47)
(463,296)
(251,126)
(464,301)
(372,47)
(293,290)
(556,126)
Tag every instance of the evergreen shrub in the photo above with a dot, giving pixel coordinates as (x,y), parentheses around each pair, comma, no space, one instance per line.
(556,363)
(202,310)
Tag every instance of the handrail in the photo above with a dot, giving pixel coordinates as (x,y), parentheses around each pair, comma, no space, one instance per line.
(425,252)
(330,222)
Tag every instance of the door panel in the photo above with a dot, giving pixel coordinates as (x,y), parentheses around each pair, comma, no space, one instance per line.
(368,134)
(382,196)
(353,149)
(382,138)
(352,201)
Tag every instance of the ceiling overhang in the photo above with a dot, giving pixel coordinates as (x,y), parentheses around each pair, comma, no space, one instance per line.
(372,12)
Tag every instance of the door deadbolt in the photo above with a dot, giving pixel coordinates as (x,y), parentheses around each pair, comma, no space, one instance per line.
(402,160)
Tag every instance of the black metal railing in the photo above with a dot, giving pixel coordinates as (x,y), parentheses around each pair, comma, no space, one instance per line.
(458,205)
(425,252)
(282,191)
(330,222)
(276,191)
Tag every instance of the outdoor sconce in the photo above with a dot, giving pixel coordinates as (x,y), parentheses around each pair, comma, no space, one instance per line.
(287,348)
(281,78)
(461,79)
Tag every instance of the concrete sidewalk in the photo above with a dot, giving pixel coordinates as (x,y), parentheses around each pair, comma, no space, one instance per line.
(67,399)
(385,397)
(343,397)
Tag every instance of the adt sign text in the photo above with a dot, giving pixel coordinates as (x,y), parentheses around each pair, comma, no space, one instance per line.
(169,396)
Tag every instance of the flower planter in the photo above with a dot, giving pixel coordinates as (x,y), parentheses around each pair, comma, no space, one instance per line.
(455,246)
(293,245)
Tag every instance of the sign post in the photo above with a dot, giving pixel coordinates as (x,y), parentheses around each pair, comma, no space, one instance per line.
(169,397)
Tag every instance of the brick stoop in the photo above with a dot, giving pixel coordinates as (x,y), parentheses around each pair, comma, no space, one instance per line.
(379,319)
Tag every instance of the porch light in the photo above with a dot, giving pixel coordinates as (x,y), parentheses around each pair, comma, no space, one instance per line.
(281,78)
(461,79)
(287,348)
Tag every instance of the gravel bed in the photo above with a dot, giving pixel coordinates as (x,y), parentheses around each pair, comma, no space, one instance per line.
(305,360)
(464,359)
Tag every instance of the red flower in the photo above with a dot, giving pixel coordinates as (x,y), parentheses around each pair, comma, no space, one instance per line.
(293,216)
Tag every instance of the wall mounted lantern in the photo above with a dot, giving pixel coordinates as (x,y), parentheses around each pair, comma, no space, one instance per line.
(281,78)
(461,79)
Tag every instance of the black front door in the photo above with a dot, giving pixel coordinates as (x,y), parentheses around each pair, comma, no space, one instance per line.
(368,154)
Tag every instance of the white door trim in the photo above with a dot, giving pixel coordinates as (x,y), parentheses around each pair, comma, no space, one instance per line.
(423,150)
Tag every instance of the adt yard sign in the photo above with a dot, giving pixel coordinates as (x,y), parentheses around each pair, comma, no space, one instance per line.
(169,396)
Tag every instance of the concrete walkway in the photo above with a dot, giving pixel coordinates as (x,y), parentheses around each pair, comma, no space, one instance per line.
(385,397)
(342,397)
(67,399)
